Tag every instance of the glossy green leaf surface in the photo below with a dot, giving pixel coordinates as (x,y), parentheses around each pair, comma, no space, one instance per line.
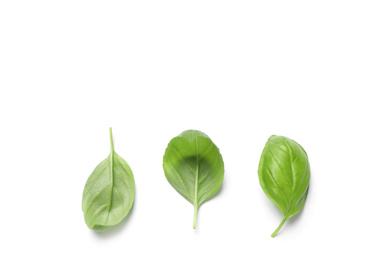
(193,165)
(284,175)
(109,192)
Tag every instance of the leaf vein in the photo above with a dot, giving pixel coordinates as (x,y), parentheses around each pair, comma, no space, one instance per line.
(121,177)
(207,149)
(277,163)
(100,210)
(177,173)
(90,204)
(97,177)
(184,159)
(211,168)
(300,184)
(277,185)
(120,197)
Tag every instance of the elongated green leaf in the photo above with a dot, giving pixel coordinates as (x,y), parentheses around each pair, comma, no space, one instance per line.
(284,175)
(193,165)
(109,192)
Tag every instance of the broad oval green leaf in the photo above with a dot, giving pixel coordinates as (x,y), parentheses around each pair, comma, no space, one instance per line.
(284,175)
(194,166)
(109,192)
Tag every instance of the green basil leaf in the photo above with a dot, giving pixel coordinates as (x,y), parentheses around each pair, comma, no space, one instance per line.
(193,165)
(284,175)
(109,192)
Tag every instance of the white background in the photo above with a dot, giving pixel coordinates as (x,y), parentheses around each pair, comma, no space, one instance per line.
(315,71)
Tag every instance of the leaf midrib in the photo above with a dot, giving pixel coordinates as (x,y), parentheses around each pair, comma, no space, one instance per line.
(112,153)
(196,174)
